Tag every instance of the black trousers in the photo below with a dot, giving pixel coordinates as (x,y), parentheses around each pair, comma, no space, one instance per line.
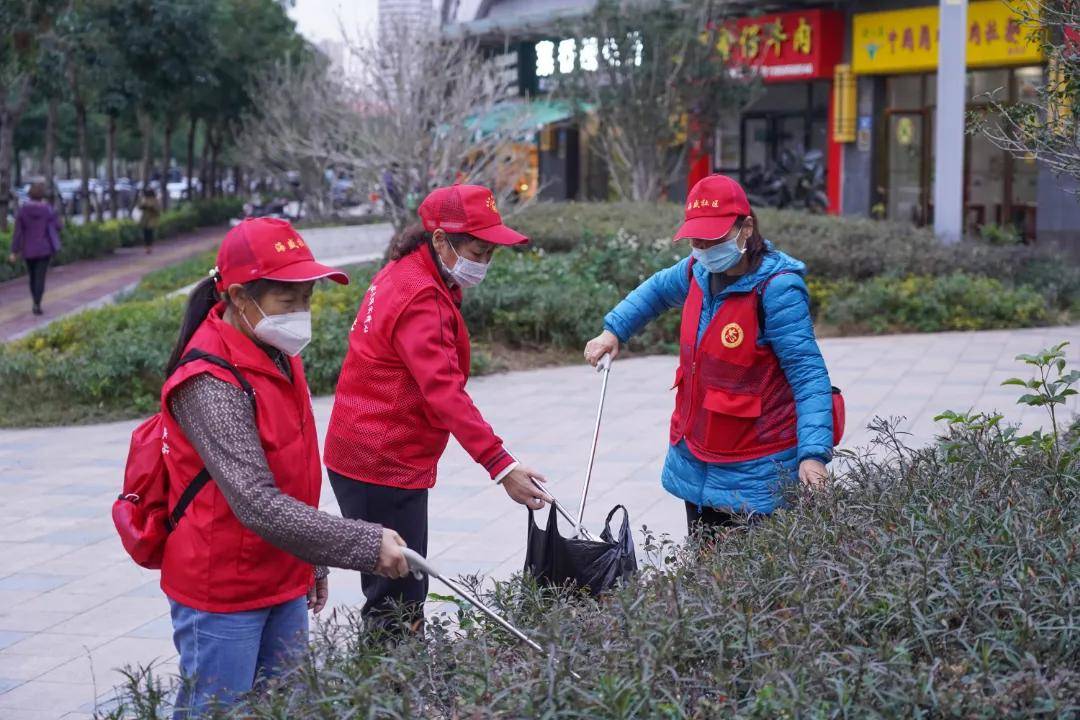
(405,511)
(148,236)
(709,519)
(36,269)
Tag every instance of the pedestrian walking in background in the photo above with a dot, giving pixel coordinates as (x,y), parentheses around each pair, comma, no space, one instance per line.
(754,409)
(248,558)
(401,393)
(36,239)
(149,215)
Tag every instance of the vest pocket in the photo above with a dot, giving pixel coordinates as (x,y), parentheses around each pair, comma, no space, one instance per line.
(727,403)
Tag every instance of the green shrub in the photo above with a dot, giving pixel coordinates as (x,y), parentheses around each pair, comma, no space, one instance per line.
(530,300)
(931,583)
(930,304)
(833,248)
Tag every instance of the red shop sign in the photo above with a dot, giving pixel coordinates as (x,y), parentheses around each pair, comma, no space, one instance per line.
(785,46)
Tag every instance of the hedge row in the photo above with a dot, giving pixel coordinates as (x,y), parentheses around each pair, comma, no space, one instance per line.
(529,300)
(932,583)
(81,242)
(833,248)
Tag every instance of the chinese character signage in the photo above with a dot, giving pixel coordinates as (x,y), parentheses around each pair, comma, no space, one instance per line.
(907,40)
(784,46)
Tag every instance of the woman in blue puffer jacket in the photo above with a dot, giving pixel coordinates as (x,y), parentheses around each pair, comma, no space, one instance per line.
(754,409)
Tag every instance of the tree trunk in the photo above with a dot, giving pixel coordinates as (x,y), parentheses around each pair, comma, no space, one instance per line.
(166,159)
(146,126)
(110,166)
(50,152)
(238,179)
(191,156)
(214,179)
(9,117)
(204,165)
(7,142)
(84,159)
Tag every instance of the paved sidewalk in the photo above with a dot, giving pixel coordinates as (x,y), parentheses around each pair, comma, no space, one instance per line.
(73,607)
(87,283)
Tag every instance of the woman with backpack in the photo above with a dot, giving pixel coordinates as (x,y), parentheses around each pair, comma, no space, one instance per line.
(401,393)
(754,408)
(246,560)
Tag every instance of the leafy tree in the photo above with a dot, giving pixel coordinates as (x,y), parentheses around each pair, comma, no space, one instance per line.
(23,26)
(649,70)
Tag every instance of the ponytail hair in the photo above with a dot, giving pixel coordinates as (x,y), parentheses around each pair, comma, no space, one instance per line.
(414,236)
(201,301)
(407,241)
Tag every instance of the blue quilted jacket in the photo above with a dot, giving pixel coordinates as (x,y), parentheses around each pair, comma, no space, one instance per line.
(754,485)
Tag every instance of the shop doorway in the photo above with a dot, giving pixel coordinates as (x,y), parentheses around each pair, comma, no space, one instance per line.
(998,189)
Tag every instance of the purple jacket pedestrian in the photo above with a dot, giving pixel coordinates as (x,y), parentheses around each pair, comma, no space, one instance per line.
(36,239)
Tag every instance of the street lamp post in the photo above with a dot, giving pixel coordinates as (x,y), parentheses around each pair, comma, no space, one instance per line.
(949,129)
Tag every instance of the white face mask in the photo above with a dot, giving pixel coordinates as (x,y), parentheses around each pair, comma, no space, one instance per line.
(289,332)
(466,273)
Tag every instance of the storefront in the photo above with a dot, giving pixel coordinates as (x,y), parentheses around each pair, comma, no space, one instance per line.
(899,48)
(795,54)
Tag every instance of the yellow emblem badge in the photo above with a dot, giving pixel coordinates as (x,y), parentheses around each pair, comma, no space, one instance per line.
(491,204)
(732,335)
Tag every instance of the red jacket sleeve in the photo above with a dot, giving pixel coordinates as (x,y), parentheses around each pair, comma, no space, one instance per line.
(424,339)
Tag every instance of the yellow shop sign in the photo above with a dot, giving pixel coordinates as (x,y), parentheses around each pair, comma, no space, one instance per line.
(899,41)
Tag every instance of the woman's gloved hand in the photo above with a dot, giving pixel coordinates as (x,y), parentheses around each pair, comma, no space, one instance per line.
(604,343)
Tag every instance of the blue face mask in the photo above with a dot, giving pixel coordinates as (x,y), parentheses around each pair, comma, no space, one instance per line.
(721,256)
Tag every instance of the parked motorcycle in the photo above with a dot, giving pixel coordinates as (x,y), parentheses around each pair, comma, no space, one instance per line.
(790,182)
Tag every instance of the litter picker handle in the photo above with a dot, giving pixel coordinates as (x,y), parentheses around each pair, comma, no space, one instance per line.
(603,366)
(418,564)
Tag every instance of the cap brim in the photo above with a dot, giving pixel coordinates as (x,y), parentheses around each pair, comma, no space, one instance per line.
(306,271)
(500,235)
(712,227)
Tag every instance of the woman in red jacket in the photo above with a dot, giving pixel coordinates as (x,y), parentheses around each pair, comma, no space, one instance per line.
(401,392)
(248,558)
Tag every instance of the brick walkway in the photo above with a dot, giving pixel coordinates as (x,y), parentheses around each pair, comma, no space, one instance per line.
(77,285)
(73,607)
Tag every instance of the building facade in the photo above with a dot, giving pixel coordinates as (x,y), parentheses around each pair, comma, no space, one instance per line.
(854,81)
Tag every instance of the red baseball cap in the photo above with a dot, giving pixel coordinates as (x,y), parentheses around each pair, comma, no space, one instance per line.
(270,249)
(467,209)
(712,207)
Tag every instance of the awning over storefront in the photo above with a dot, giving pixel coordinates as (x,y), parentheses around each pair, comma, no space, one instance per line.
(523,116)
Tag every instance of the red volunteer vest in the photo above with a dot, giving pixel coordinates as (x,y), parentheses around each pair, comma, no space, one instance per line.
(734,402)
(212,562)
(382,430)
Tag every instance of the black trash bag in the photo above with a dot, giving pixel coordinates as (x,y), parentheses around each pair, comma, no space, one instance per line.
(593,565)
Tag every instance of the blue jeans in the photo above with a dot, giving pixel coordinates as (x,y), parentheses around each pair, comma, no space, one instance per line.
(223,654)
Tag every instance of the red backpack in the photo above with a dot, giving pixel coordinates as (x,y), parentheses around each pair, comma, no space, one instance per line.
(141,513)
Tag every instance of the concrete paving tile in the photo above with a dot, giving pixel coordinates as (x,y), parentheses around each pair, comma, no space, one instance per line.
(7,683)
(12,637)
(57,698)
(29,618)
(28,667)
(101,661)
(117,617)
(33,581)
(55,644)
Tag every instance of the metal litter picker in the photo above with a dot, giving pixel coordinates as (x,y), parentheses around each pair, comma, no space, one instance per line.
(604,366)
(420,566)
